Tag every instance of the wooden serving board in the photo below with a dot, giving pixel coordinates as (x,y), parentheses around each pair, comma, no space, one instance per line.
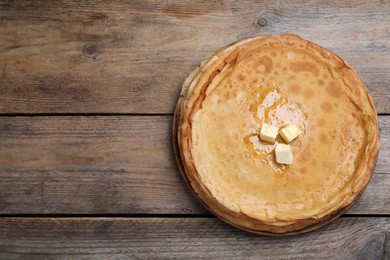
(176,148)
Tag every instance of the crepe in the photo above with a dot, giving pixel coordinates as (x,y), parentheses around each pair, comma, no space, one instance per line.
(279,80)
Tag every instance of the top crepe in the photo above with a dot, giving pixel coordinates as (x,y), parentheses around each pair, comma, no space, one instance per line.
(279,80)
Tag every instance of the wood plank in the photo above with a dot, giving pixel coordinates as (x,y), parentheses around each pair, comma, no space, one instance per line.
(96,165)
(116,164)
(132,57)
(86,238)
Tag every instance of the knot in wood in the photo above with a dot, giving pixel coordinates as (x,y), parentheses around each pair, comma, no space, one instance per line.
(262,22)
(90,49)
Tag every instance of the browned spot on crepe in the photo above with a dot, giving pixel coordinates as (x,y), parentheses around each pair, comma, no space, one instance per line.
(265,63)
(294,89)
(320,82)
(333,90)
(323,138)
(309,93)
(326,106)
(304,66)
(241,77)
(321,122)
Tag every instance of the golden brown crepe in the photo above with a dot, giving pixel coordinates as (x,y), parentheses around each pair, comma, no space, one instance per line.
(279,80)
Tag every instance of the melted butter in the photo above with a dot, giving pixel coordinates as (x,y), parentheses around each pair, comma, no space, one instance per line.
(257,146)
(263,153)
(272,107)
(269,105)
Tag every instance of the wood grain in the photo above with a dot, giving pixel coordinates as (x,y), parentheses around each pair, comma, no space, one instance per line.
(116,164)
(118,238)
(132,57)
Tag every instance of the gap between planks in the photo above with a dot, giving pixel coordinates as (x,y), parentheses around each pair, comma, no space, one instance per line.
(81,114)
(100,114)
(129,216)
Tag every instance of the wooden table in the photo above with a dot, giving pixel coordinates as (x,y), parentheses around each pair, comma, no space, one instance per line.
(87,91)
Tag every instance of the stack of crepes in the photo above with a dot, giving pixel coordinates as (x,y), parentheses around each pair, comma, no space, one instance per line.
(279,80)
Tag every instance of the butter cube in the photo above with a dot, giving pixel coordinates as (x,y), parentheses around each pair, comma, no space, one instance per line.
(268,133)
(290,132)
(283,154)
